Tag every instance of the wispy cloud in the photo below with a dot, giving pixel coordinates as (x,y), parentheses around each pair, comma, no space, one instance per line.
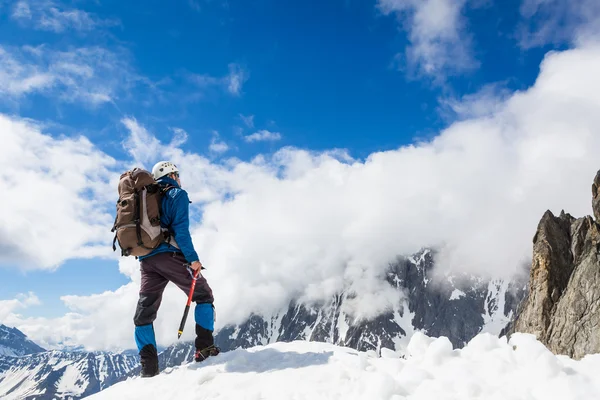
(232,83)
(263,136)
(8,307)
(91,75)
(204,80)
(558,21)
(217,146)
(140,144)
(180,137)
(195,5)
(248,120)
(487,101)
(199,5)
(18,77)
(440,44)
(53,16)
(236,79)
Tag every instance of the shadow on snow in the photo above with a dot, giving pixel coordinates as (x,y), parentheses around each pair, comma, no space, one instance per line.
(242,361)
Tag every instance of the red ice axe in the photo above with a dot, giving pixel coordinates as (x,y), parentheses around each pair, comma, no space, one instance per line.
(189,301)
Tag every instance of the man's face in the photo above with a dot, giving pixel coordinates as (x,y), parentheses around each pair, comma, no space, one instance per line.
(176,177)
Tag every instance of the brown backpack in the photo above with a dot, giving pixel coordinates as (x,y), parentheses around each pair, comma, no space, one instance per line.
(137,225)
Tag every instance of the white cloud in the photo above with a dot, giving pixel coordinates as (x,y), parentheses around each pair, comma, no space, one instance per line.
(142,146)
(248,120)
(18,78)
(180,137)
(21,10)
(263,136)
(558,21)
(436,30)
(231,83)
(236,78)
(308,224)
(51,16)
(8,307)
(56,197)
(205,81)
(92,75)
(195,5)
(489,100)
(217,146)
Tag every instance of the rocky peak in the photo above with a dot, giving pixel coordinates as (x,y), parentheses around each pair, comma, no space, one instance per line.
(596,196)
(562,306)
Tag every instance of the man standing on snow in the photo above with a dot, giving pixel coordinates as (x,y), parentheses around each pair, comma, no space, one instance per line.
(169,263)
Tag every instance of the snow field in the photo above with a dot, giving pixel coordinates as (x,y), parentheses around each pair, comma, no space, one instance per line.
(70,383)
(7,351)
(487,368)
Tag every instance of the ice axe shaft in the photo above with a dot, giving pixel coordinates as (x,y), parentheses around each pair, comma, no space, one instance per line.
(187,306)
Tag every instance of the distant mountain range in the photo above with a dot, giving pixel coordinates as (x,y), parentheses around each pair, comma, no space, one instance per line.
(27,371)
(459,308)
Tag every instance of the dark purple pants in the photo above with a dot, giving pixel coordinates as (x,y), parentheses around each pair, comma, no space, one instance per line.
(159,270)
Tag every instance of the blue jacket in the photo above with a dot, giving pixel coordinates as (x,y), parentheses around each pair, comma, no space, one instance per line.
(175,217)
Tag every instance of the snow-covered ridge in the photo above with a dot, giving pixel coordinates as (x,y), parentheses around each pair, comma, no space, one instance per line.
(487,368)
(14,343)
(8,351)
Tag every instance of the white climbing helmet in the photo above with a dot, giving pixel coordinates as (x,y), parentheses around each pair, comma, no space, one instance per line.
(163,168)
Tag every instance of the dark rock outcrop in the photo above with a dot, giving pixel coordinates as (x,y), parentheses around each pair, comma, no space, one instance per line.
(562,307)
(596,196)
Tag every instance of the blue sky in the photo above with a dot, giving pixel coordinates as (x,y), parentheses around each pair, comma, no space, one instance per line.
(364,76)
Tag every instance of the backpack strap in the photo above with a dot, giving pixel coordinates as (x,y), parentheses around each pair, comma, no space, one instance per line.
(114,228)
(167,234)
(165,189)
(137,218)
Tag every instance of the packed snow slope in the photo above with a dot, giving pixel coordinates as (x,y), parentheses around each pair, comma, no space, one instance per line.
(487,368)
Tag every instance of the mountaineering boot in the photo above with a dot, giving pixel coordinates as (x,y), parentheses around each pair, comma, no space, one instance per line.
(203,354)
(205,344)
(149,361)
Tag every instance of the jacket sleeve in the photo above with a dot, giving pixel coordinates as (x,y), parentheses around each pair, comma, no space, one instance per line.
(180,225)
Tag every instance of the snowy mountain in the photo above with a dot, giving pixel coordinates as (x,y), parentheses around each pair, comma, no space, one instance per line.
(458,308)
(62,375)
(486,368)
(14,343)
